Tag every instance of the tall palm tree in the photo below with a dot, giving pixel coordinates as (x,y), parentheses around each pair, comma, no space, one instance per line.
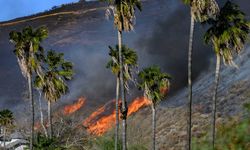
(124,20)
(156,86)
(56,71)
(228,33)
(200,11)
(28,51)
(6,120)
(130,62)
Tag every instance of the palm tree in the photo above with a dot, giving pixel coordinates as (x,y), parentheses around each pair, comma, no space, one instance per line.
(28,52)
(6,120)
(200,10)
(130,62)
(156,86)
(228,33)
(56,71)
(124,20)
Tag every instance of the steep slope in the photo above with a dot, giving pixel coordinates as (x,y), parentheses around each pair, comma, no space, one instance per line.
(234,91)
(81,31)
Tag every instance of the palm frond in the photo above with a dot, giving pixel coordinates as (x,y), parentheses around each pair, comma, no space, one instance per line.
(130,63)
(154,83)
(56,71)
(228,32)
(6,117)
(202,10)
(123,12)
(27,48)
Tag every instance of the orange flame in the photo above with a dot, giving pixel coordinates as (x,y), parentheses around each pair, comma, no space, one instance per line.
(92,117)
(102,125)
(98,123)
(137,104)
(74,107)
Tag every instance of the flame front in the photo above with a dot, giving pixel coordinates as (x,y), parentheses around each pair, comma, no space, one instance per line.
(137,104)
(98,123)
(93,116)
(74,107)
(102,125)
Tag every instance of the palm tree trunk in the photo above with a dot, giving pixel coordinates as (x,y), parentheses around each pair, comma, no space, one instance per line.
(153,127)
(4,138)
(124,135)
(41,114)
(124,104)
(117,113)
(216,82)
(49,119)
(32,110)
(190,49)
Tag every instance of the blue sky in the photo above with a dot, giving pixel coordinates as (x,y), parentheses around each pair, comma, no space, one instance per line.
(11,9)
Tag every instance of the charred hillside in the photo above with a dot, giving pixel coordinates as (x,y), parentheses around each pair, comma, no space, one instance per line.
(83,34)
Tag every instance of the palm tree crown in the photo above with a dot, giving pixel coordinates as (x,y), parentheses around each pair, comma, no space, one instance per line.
(56,72)
(124,13)
(228,32)
(28,49)
(202,10)
(130,61)
(6,117)
(155,83)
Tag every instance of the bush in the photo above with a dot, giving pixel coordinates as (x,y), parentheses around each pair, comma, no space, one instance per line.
(106,143)
(234,135)
(44,143)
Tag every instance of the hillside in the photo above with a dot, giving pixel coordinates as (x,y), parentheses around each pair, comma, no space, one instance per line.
(84,38)
(82,32)
(234,91)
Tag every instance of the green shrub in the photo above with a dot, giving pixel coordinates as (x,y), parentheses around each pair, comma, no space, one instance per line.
(233,135)
(44,143)
(106,143)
